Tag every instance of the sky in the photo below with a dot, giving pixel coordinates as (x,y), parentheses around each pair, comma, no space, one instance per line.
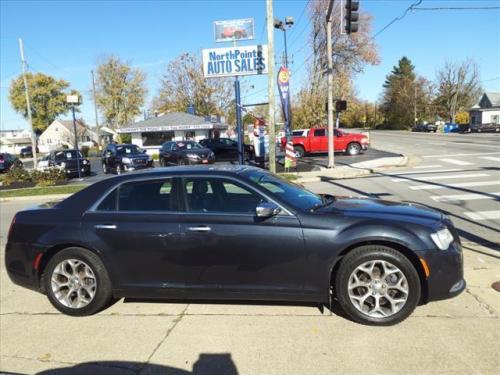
(67,39)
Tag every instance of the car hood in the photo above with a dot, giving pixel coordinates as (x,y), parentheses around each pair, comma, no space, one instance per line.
(198,151)
(377,208)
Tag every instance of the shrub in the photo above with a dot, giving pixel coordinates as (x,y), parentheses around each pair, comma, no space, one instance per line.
(85,151)
(16,174)
(48,177)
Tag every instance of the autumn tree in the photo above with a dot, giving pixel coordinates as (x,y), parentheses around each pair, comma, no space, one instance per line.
(47,98)
(458,87)
(183,84)
(120,91)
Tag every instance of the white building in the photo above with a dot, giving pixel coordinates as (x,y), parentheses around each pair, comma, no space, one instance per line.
(487,110)
(12,141)
(150,134)
(60,133)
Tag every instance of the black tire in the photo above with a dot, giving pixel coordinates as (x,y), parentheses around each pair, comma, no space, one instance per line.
(103,295)
(181,162)
(299,150)
(367,253)
(353,149)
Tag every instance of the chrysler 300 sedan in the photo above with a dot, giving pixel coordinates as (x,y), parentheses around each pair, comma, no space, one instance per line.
(233,233)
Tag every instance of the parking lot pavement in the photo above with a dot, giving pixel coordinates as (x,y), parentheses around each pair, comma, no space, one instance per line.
(459,336)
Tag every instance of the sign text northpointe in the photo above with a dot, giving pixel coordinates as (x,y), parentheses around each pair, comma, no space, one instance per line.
(235,61)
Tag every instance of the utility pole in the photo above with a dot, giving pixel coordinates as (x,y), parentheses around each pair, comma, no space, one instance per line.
(270,85)
(28,104)
(415,106)
(331,145)
(95,111)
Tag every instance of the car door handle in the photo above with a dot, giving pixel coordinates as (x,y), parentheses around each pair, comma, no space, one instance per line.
(105,226)
(199,229)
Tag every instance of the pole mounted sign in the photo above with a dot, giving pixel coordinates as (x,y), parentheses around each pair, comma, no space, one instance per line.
(231,30)
(234,61)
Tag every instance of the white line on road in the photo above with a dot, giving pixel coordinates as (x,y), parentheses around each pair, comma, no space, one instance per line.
(464,197)
(459,185)
(428,166)
(492,158)
(483,215)
(446,177)
(454,155)
(423,172)
(456,162)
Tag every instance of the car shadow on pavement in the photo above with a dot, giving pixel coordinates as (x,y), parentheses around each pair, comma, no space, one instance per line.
(207,364)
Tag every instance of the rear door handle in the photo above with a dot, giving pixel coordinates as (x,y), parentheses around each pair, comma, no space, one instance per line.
(105,226)
(199,229)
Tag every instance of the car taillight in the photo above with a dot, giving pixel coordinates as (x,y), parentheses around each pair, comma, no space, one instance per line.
(11,228)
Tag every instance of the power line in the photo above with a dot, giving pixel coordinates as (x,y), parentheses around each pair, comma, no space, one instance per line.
(399,18)
(457,8)
(300,17)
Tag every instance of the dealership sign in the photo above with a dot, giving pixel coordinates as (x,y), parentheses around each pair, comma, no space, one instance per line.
(235,61)
(232,30)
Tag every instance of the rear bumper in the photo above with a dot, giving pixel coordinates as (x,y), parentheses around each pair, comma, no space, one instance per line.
(19,259)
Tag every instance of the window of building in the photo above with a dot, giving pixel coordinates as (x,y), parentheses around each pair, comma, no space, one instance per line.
(189,135)
(156,138)
(495,119)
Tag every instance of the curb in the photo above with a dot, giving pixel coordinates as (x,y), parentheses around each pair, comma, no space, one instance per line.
(34,197)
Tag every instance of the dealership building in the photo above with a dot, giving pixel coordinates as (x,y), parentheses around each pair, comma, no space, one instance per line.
(151,133)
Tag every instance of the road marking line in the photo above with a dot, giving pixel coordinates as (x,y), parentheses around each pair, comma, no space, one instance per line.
(423,172)
(459,185)
(492,158)
(456,162)
(454,155)
(428,166)
(483,215)
(463,197)
(433,178)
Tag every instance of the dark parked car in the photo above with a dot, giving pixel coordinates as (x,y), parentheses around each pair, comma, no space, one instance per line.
(27,152)
(424,128)
(124,158)
(226,149)
(233,233)
(483,128)
(7,161)
(185,153)
(68,160)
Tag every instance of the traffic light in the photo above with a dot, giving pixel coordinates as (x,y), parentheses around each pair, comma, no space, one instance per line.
(351,16)
(340,105)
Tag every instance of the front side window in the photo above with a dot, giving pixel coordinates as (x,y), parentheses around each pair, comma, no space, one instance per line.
(319,132)
(220,195)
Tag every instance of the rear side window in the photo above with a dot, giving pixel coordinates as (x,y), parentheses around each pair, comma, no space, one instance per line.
(156,195)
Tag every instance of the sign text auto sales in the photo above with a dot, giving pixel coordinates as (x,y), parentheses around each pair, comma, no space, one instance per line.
(235,61)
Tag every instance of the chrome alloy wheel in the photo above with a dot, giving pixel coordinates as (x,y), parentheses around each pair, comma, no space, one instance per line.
(378,289)
(73,283)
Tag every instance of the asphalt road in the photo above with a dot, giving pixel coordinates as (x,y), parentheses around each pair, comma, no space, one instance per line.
(454,173)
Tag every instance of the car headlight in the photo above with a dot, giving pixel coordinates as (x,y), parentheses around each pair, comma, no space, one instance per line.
(85,162)
(126,160)
(442,238)
(364,140)
(63,165)
(192,156)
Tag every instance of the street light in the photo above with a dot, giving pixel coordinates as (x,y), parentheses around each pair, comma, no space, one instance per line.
(75,100)
(284,26)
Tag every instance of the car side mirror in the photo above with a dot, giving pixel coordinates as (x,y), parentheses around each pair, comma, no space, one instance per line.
(267,209)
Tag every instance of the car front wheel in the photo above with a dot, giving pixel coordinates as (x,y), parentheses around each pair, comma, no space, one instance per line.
(77,283)
(353,148)
(377,285)
(299,151)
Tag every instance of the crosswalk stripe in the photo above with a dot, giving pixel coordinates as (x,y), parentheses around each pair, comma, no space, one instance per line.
(455,155)
(464,197)
(492,158)
(456,162)
(423,172)
(428,166)
(458,185)
(440,177)
(483,215)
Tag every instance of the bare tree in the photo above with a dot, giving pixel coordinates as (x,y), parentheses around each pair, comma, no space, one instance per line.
(458,87)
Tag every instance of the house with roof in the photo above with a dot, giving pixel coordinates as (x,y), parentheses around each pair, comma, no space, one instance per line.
(60,134)
(151,133)
(487,109)
(12,141)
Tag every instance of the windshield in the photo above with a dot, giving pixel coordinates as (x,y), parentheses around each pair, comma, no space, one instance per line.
(295,195)
(188,146)
(67,155)
(128,150)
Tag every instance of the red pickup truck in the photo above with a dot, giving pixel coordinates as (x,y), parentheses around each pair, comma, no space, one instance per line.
(316,140)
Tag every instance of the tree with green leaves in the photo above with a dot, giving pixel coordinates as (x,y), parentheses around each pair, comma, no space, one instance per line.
(47,98)
(120,91)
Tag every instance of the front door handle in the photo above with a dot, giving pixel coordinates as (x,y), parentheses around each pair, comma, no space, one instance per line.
(105,226)
(199,229)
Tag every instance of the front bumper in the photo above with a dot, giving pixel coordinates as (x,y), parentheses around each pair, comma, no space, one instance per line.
(446,279)
(135,165)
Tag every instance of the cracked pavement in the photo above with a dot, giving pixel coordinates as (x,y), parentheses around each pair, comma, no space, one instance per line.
(459,336)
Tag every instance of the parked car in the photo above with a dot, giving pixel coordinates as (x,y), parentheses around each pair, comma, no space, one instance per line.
(226,149)
(233,233)
(68,160)
(185,153)
(7,161)
(483,128)
(124,157)
(27,152)
(425,128)
(316,140)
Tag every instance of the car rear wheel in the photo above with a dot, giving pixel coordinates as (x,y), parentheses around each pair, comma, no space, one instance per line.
(299,151)
(353,148)
(377,285)
(77,283)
